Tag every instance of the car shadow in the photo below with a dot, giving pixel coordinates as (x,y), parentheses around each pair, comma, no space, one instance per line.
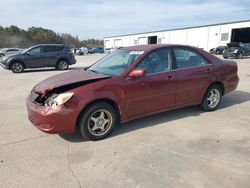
(50,70)
(234,98)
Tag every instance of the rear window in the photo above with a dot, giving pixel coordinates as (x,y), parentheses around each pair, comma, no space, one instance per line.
(186,58)
(48,49)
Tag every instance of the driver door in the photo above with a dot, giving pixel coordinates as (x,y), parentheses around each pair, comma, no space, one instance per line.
(33,58)
(156,90)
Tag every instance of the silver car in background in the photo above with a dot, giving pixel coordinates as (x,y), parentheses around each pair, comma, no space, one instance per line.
(9,51)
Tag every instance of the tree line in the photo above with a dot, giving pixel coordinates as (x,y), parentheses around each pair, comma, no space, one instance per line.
(13,36)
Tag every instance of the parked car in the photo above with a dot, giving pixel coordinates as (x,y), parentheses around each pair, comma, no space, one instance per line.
(129,83)
(99,50)
(82,51)
(218,50)
(43,55)
(237,50)
(91,50)
(107,50)
(95,50)
(9,51)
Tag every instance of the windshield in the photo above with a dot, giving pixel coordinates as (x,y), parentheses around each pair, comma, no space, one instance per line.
(26,50)
(116,63)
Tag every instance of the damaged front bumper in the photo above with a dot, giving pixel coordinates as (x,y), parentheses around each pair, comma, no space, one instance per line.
(51,119)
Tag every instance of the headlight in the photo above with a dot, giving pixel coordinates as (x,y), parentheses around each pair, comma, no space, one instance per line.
(58,99)
(4,58)
(235,51)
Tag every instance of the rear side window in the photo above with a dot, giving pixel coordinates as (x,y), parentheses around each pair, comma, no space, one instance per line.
(48,49)
(158,61)
(186,58)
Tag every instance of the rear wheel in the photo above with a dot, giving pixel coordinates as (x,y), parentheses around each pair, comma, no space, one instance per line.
(97,121)
(240,56)
(212,98)
(62,65)
(17,67)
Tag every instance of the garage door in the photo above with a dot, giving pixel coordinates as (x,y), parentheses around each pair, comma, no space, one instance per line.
(241,35)
(142,40)
(118,43)
(107,44)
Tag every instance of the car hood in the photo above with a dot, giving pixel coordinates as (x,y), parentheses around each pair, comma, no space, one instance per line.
(66,81)
(14,54)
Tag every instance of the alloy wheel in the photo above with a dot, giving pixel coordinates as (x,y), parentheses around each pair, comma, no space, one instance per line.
(213,98)
(62,65)
(17,67)
(100,122)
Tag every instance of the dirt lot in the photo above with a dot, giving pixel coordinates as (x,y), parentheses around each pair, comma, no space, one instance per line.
(181,148)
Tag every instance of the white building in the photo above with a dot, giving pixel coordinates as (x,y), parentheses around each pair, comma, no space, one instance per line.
(206,37)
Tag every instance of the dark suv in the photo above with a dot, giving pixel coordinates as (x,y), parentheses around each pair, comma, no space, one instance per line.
(237,50)
(43,55)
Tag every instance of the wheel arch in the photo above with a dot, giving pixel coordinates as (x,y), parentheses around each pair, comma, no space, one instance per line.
(220,84)
(104,100)
(62,58)
(16,60)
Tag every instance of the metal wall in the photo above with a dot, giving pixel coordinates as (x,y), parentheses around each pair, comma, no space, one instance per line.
(205,37)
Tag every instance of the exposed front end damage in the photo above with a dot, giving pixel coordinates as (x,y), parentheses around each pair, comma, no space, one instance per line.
(56,118)
(40,98)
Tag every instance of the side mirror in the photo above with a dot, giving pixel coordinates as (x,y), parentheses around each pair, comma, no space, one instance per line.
(28,53)
(137,73)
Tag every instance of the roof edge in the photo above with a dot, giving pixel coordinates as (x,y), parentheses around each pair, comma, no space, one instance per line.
(180,28)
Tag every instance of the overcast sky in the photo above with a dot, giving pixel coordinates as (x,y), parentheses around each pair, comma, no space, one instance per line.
(99,18)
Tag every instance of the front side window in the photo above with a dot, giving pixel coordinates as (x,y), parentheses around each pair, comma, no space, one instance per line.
(186,58)
(35,51)
(158,61)
(116,63)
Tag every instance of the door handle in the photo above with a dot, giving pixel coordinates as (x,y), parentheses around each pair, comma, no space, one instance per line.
(169,78)
(208,70)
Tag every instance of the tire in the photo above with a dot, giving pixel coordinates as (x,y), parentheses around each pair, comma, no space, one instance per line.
(97,121)
(17,67)
(225,57)
(62,65)
(213,93)
(240,56)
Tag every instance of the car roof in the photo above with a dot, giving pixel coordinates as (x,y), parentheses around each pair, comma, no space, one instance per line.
(51,45)
(150,47)
(47,45)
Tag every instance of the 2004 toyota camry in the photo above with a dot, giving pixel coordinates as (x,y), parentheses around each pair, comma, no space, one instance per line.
(131,82)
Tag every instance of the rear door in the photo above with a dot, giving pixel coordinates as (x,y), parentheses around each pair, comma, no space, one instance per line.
(51,55)
(193,76)
(156,90)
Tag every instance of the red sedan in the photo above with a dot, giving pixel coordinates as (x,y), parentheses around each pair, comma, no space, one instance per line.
(129,83)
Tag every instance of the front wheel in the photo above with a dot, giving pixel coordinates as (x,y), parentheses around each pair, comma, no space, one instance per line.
(62,65)
(211,99)
(17,67)
(97,121)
